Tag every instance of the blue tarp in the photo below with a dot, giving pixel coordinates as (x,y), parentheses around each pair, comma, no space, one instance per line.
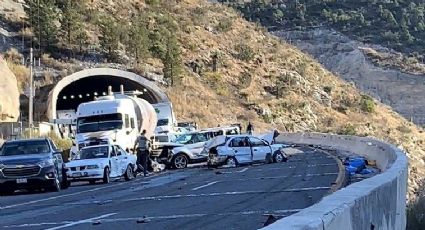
(356,165)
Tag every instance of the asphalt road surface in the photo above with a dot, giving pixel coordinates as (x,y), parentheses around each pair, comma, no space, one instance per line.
(194,198)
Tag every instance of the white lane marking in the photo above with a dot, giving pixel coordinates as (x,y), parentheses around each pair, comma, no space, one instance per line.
(243,170)
(223,194)
(35,224)
(61,196)
(113,220)
(205,185)
(82,221)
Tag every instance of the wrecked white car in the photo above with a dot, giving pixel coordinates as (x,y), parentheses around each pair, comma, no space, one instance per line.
(232,151)
(102,162)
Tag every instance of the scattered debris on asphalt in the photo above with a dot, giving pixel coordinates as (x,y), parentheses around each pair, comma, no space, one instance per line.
(96,222)
(143,220)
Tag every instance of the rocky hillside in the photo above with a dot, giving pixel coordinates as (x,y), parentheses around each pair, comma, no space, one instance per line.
(404,90)
(234,71)
(9,94)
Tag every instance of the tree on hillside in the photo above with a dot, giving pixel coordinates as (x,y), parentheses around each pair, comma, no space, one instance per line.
(72,23)
(42,18)
(172,60)
(137,41)
(109,37)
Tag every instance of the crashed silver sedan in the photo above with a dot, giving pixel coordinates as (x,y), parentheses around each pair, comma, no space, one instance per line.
(232,151)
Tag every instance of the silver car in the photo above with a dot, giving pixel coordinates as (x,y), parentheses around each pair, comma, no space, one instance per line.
(232,151)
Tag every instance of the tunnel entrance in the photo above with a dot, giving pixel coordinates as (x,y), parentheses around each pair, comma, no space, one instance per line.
(86,89)
(85,85)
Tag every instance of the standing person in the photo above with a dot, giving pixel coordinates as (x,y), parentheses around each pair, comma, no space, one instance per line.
(73,151)
(250,128)
(275,135)
(143,145)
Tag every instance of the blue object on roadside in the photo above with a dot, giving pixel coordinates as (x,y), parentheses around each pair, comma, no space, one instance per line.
(367,171)
(351,170)
(358,163)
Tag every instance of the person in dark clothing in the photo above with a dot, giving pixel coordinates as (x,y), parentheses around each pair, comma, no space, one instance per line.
(275,134)
(250,128)
(143,146)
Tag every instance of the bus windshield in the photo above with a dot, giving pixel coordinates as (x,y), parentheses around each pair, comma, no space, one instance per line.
(97,123)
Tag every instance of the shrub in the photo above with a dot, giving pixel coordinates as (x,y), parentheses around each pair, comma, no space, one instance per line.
(225,25)
(367,104)
(267,118)
(13,55)
(404,129)
(21,73)
(348,129)
(244,52)
(327,89)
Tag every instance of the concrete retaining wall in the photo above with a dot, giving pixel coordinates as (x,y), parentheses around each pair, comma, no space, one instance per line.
(375,203)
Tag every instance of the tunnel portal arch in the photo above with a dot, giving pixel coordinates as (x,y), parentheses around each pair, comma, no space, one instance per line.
(82,86)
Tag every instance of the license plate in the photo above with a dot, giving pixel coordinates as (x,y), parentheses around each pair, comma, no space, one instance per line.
(21,181)
(77,174)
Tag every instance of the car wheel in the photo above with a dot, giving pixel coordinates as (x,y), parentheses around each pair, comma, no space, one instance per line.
(134,170)
(56,187)
(128,175)
(231,162)
(279,157)
(106,175)
(92,182)
(180,161)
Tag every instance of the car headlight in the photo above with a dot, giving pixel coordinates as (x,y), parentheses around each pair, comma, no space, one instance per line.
(1,166)
(46,163)
(92,166)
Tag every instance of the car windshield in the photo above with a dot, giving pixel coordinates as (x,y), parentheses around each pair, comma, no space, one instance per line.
(97,123)
(94,152)
(162,122)
(25,148)
(191,138)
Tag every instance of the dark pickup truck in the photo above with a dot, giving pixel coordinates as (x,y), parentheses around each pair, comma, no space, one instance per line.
(31,164)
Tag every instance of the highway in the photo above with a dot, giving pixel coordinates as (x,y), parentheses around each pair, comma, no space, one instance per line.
(194,198)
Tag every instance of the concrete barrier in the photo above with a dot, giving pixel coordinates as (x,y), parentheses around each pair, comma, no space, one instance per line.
(375,203)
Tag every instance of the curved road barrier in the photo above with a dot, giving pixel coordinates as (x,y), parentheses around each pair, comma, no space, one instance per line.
(376,203)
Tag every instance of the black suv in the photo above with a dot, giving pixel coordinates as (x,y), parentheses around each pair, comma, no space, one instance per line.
(31,164)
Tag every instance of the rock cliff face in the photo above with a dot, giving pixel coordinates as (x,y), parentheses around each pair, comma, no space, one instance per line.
(9,94)
(404,92)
